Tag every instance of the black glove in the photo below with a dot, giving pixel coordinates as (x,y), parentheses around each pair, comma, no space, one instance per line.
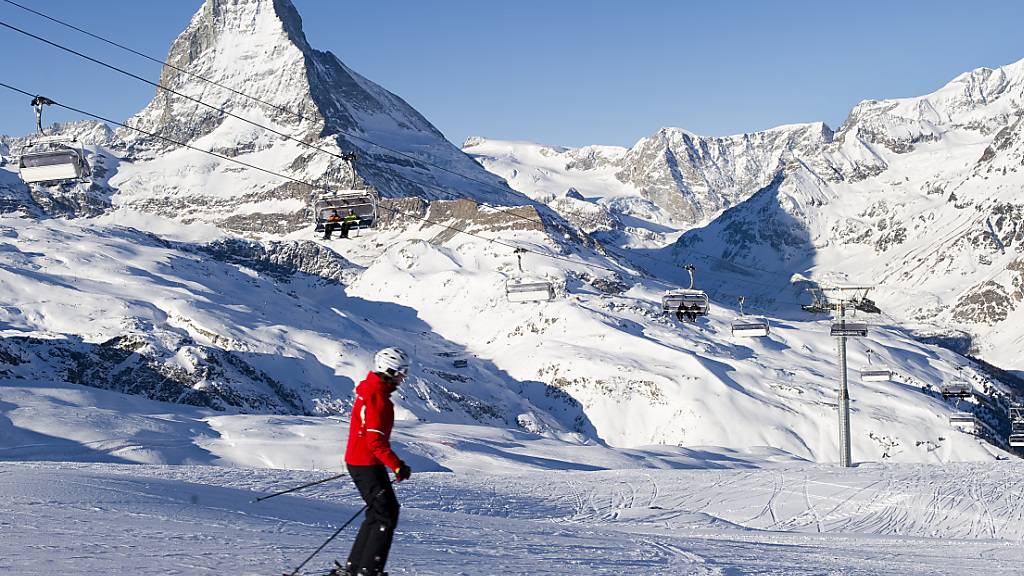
(403,471)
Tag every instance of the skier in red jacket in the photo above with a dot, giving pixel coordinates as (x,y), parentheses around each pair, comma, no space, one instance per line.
(368,458)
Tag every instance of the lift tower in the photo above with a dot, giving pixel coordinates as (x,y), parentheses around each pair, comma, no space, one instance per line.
(838,300)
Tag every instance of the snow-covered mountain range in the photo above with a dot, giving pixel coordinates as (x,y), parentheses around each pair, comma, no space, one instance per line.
(155,293)
(921,197)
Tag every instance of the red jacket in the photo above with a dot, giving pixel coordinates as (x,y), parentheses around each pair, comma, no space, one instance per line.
(369,434)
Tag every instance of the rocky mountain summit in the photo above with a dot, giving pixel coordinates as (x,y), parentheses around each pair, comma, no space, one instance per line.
(243,82)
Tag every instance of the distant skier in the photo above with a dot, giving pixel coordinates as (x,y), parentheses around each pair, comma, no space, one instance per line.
(368,457)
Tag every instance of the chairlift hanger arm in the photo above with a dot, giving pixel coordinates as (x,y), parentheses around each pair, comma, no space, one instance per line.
(37,103)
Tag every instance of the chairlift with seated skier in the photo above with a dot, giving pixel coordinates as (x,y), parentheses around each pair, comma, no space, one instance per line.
(52,159)
(749,326)
(875,373)
(363,203)
(686,303)
(523,288)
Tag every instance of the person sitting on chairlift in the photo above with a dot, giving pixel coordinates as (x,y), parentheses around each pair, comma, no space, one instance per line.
(333,221)
(351,219)
(686,312)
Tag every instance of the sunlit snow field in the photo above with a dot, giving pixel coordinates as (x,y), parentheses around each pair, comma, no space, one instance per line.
(84,492)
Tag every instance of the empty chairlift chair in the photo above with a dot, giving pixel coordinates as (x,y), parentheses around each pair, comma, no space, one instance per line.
(963,420)
(873,373)
(362,202)
(52,158)
(958,388)
(849,329)
(1017,426)
(686,303)
(749,326)
(523,288)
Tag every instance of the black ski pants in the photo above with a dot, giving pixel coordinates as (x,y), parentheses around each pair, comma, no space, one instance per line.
(370,550)
(345,227)
(329,229)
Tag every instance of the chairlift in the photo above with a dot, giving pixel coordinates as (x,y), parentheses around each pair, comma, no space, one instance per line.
(686,303)
(749,326)
(849,329)
(1016,426)
(875,374)
(524,288)
(362,202)
(963,420)
(958,388)
(52,158)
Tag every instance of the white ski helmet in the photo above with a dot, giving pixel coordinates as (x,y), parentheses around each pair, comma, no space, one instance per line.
(391,361)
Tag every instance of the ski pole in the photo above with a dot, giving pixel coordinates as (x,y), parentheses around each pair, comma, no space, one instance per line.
(335,535)
(297,488)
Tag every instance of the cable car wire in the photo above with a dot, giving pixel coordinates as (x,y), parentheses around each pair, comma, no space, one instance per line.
(232,90)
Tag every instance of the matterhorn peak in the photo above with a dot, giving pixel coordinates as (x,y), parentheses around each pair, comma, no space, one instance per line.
(243,81)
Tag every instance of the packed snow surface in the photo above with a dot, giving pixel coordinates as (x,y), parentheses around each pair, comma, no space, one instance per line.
(497,502)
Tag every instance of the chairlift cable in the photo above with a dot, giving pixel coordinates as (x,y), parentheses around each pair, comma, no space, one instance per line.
(170,90)
(300,116)
(240,93)
(300,181)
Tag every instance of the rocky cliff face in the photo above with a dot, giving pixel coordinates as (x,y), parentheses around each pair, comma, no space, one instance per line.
(257,47)
(694,178)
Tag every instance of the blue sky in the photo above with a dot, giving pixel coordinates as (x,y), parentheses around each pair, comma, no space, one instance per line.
(569,72)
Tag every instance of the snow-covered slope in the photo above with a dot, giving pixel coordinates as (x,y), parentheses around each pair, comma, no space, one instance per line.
(582,186)
(683,178)
(96,483)
(289,328)
(99,520)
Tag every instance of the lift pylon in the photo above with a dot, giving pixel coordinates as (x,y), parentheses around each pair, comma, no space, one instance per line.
(838,300)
